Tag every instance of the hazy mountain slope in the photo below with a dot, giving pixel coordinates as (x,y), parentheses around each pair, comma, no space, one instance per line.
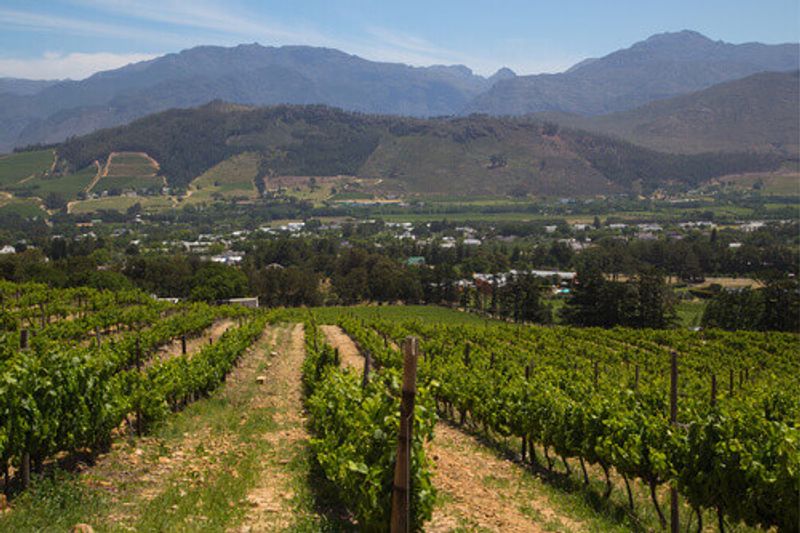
(248,74)
(23,87)
(760,112)
(662,66)
(472,155)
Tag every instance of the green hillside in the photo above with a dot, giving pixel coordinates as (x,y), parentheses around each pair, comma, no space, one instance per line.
(126,171)
(233,178)
(19,166)
(461,156)
(759,112)
(67,186)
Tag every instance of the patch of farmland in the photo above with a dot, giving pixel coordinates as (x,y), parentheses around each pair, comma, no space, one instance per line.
(232,178)
(67,186)
(126,171)
(15,168)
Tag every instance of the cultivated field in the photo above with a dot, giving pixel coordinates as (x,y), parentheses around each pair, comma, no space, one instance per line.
(129,171)
(271,424)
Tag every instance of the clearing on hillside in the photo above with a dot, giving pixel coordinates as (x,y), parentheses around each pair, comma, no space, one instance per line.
(135,171)
(67,186)
(15,168)
(233,178)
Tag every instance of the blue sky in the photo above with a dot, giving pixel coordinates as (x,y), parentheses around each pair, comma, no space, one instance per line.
(74,38)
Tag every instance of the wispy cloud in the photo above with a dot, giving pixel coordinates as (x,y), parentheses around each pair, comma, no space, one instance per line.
(34,21)
(226,18)
(173,24)
(55,65)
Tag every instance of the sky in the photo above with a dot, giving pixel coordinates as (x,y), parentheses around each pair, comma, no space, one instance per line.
(55,39)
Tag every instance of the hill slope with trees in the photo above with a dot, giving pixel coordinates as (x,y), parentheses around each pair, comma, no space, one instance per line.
(462,156)
(760,112)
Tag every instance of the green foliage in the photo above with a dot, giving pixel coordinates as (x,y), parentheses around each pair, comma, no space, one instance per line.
(60,395)
(776,307)
(214,282)
(320,141)
(738,454)
(355,435)
(18,166)
(644,302)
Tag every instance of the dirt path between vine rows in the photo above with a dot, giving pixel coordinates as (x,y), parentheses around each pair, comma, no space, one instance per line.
(480,491)
(477,490)
(271,501)
(349,354)
(193,344)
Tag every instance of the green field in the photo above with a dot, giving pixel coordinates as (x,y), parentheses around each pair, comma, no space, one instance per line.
(130,171)
(425,313)
(233,178)
(67,186)
(129,182)
(121,203)
(16,167)
(783,183)
(690,313)
(26,208)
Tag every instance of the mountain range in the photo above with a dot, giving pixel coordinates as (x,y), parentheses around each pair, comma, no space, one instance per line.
(757,113)
(662,66)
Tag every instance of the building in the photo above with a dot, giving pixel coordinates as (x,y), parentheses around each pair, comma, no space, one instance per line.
(244,302)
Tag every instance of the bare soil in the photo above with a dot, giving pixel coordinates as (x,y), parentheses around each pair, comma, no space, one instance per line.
(271,501)
(480,491)
(193,344)
(349,355)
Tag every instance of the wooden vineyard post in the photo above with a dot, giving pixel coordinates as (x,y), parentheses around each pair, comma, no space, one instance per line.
(730,383)
(210,341)
(26,470)
(183,344)
(26,457)
(713,390)
(401,491)
(139,422)
(674,519)
(525,437)
(97,335)
(467,351)
(367,363)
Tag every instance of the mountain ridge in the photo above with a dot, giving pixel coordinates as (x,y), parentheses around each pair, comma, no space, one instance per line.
(663,66)
(659,67)
(759,112)
(455,155)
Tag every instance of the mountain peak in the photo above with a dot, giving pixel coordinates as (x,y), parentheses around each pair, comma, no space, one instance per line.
(504,73)
(678,36)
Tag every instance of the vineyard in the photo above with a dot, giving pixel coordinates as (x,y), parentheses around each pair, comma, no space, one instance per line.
(69,384)
(601,398)
(81,368)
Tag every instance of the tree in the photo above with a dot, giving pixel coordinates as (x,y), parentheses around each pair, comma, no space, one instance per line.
(54,201)
(781,296)
(774,307)
(530,307)
(734,309)
(214,281)
(656,307)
